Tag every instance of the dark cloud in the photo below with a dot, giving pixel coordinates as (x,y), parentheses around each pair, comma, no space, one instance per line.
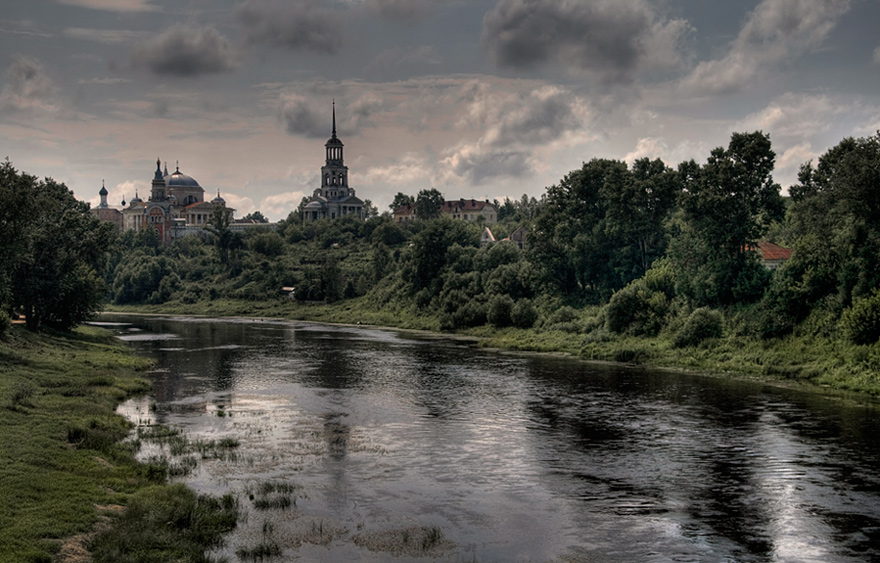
(299,119)
(604,37)
(542,117)
(186,51)
(308,112)
(362,111)
(27,88)
(405,11)
(478,166)
(296,25)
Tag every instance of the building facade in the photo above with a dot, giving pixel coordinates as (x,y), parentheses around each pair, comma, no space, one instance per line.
(334,198)
(176,207)
(461,209)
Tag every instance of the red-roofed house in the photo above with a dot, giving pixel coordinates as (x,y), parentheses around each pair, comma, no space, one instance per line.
(773,255)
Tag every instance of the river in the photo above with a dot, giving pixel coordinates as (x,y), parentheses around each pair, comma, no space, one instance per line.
(359,444)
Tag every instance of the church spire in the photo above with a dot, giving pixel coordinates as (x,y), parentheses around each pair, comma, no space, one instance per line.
(334,118)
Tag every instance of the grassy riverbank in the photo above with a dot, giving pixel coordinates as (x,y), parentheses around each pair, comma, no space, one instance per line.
(66,478)
(820,364)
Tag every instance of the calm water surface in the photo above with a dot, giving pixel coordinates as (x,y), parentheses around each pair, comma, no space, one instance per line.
(380,436)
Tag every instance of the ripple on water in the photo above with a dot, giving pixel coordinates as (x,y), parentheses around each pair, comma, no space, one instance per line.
(513,459)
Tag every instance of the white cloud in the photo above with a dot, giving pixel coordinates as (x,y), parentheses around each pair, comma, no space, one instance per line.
(114,5)
(410,168)
(774,32)
(794,116)
(512,126)
(242,204)
(794,156)
(109,36)
(105,81)
(280,205)
(647,147)
(123,191)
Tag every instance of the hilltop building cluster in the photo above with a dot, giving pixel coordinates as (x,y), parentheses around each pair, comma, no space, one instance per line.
(177,207)
(462,209)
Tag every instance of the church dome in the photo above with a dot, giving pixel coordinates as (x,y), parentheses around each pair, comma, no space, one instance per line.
(314,204)
(180,180)
(218,199)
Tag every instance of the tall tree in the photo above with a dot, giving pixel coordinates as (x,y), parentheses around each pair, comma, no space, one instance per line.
(428,204)
(256,216)
(400,200)
(225,239)
(602,226)
(60,250)
(836,217)
(370,210)
(15,226)
(728,204)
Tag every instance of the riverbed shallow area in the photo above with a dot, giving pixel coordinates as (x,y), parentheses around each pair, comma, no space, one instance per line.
(358,444)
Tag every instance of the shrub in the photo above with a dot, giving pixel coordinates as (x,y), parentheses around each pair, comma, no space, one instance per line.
(702,324)
(861,322)
(636,309)
(524,314)
(268,244)
(500,309)
(564,314)
(473,313)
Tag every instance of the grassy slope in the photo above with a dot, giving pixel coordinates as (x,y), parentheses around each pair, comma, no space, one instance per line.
(58,436)
(822,364)
(62,466)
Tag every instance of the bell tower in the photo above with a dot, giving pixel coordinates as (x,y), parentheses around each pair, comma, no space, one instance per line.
(157,191)
(334,173)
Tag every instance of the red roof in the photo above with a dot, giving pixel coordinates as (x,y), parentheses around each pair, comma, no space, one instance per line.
(770,251)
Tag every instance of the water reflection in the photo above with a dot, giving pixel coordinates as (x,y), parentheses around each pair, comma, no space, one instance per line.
(517,458)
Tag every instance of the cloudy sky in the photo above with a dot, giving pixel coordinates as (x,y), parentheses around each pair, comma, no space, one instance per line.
(477,98)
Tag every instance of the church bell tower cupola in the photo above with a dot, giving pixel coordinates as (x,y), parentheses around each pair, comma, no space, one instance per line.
(334,145)
(334,173)
(334,198)
(157,193)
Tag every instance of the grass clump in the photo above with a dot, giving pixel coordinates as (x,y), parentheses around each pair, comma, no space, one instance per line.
(166,523)
(273,495)
(415,541)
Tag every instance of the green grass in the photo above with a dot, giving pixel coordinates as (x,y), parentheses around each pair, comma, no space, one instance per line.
(61,454)
(167,523)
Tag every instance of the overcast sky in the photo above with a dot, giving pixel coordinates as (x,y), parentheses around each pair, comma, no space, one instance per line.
(477,98)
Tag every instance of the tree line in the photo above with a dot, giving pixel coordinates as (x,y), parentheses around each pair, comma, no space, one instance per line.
(659,248)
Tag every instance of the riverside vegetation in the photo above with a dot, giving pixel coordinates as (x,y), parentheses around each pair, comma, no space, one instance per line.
(640,264)
(66,471)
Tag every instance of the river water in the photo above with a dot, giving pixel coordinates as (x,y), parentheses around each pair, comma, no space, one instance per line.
(390,446)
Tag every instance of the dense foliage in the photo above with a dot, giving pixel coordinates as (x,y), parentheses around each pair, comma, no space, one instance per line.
(52,252)
(664,251)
